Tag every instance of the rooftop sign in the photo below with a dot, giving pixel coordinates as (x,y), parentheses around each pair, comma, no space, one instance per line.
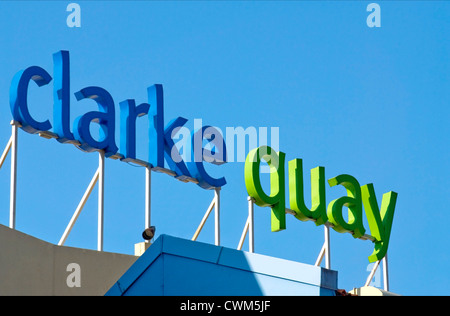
(162,151)
(379,220)
(161,147)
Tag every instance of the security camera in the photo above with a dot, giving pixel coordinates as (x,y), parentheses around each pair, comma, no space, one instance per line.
(149,233)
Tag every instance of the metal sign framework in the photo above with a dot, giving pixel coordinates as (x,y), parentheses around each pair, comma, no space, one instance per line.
(98,177)
(12,147)
(215,204)
(249,230)
(324,252)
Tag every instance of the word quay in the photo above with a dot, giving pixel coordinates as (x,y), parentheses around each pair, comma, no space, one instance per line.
(161,147)
(379,220)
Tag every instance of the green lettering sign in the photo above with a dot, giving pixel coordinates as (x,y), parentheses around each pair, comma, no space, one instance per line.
(318,211)
(379,220)
(277,198)
(353,202)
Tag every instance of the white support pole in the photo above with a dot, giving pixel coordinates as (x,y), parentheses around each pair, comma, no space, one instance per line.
(385,273)
(251,241)
(327,247)
(13,185)
(244,233)
(148,195)
(325,250)
(217,216)
(372,273)
(5,152)
(215,203)
(205,217)
(320,256)
(79,208)
(101,178)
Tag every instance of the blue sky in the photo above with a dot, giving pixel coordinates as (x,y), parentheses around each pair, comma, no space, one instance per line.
(370,102)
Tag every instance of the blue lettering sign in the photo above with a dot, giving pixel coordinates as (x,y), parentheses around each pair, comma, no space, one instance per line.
(162,149)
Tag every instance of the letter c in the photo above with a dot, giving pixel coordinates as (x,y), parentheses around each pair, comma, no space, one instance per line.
(18,95)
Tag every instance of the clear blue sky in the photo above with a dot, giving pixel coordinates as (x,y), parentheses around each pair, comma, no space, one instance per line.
(370,102)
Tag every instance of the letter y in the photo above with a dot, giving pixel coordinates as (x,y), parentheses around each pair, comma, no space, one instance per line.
(380,220)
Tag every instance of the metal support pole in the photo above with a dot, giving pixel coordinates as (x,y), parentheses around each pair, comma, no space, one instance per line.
(327,247)
(244,233)
(215,203)
(13,185)
(325,250)
(217,216)
(251,241)
(80,207)
(5,152)
(205,217)
(320,257)
(372,273)
(101,183)
(148,195)
(385,274)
